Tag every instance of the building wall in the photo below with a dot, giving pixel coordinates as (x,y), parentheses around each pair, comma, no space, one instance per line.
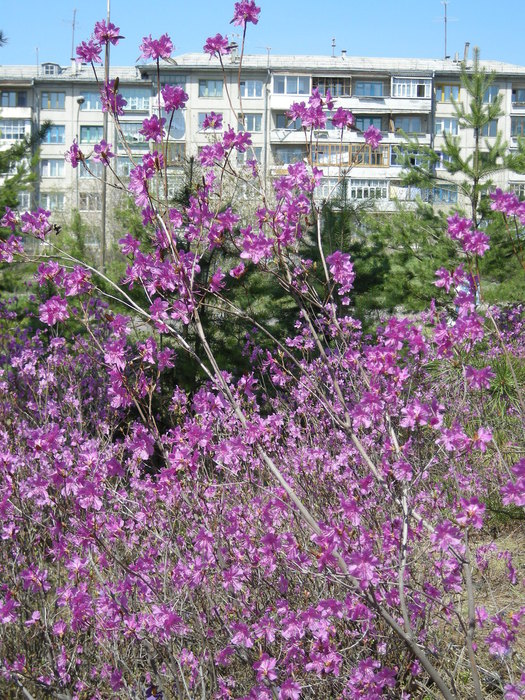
(410,95)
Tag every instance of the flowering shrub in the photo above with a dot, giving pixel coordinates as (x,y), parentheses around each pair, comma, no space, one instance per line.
(316,528)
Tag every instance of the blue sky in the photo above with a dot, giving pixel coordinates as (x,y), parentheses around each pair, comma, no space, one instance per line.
(380,28)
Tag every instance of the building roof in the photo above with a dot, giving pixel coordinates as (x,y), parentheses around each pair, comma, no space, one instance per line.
(340,63)
(75,73)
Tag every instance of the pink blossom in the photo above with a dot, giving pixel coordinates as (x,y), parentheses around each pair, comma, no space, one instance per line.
(74,155)
(265,668)
(212,121)
(217,45)
(244,12)
(107,33)
(471,513)
(53,311)
(36,222)
(373,136)
(9,219)
(156,48)
(89,52)
(153,128)
(102,153)
(343,119)
(112,100)
(174,97)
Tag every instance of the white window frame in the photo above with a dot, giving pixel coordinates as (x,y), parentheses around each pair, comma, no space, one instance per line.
(413,88)
(52,167)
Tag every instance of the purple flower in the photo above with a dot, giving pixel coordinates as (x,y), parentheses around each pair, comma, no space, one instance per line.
(290,690)
(373,136)
(89,52)
(217,45)
(53,310)
(36,222)
(212,121)
(102,153)
(9,219)
(173,97)
(265,668)
(342,270)
(112,101)
(156,48)
(343,119)
(476,242)
(153,128)
(471,513)
(107,33)
(244,12)
(74,155)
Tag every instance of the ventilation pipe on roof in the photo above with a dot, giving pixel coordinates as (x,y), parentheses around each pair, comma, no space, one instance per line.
(343,53)
(465,55)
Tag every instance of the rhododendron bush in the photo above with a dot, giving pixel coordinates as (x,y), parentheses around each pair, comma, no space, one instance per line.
(323,526)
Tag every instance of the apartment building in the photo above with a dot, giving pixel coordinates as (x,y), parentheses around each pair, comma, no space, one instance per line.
(414,96)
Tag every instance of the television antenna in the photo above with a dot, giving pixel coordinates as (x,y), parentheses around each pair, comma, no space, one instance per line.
(446,19)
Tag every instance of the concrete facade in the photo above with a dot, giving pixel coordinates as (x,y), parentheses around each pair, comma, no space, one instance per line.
(410,95)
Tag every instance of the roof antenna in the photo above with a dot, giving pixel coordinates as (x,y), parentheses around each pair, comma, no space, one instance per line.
(445,20)
(73,25)
(333,47)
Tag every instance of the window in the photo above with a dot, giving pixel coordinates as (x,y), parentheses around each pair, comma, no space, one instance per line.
(91,134)
(331,188)
(137,99)
(176,153)
(491,94)
(283,121)
(131,132)
(285,155)
(446,125)
(518,188)
(55,134)
(14,98)
(202,116)
(371,88)
(52,201)
(24,201)
(445,194)
(411,87)
(53,100)
(518,96)
(90,201)
(405,157)
(365,156)
(124,166)
(490,129)
(368,189)
(210,88)
(443,159)
(517,126)
(14,129)
(252,122)
(338,87)
(96,170)
(291,85)
(410,125)
(447,93)
(52,167)
(51,68)
(251,88)
(251,153)
(91,102)
(173,79)
(357,155)
(363,121)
